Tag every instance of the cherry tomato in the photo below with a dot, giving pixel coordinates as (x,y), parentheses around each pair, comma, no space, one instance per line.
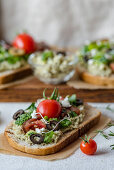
(25,42)
(89,147)
(32,124)
(112,66)
(50,108)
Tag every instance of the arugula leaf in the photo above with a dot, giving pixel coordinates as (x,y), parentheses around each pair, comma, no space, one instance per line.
(72,114)
(65,123)
(48,137)
(24,117)
(72,99)
(31,108)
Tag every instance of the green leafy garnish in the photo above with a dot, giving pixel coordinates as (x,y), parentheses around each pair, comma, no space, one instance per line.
(48,137)
(111,124)
(111,133)
(102,133)
(54,95)
(24,117)
(53,119)
(112,147)
(46,117)
(65,123)
(72,114)
(72,99)
(109,108)
(31,108)
(46,55)
(31,132)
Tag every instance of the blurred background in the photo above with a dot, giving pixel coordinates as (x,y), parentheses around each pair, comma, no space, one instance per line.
(58,22)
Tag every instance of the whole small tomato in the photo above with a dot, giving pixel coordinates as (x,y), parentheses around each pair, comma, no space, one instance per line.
(50,108)
(88,146)
(24,41)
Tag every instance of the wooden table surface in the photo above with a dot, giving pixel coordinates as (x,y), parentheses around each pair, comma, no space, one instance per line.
(32,90)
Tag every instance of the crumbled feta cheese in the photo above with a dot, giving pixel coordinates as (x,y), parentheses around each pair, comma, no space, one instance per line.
(34,114)
(93,52)
(90,61)
(65,102)
(40,130)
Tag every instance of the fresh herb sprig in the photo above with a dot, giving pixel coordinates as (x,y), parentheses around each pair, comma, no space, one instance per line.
(112,147)
(111,133)
(109,108)
(111,124)
(102,133)
(54,95)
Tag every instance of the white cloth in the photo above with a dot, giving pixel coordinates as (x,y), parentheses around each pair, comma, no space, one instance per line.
(103,159)
(59,22)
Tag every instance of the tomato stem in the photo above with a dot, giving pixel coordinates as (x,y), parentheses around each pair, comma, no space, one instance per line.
(86,140)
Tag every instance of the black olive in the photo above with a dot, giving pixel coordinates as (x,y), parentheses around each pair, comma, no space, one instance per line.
(52,123)
(61,52)
(34,138)
(79,102)
(18,113)
(86,58)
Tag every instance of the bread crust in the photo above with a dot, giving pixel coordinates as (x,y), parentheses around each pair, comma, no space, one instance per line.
(92,118)
(15,74)
(96,80)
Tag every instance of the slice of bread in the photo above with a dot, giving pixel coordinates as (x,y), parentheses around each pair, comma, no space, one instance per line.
(92,117)
(8,76)
(97,80)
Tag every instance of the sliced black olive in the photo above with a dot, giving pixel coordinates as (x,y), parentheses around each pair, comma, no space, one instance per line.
(79,102)
(18,113)
(53,124)
(61,52)
(37,138)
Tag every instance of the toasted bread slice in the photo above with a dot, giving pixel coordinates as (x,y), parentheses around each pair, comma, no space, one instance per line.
(97,80)
(8,76)
(92,117)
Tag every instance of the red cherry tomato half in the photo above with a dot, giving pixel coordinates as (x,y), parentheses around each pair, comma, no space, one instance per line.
(88,148)
(50,108)
(25,42)
(32,124)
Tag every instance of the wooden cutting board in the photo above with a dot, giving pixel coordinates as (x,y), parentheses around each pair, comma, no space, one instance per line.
(31,90)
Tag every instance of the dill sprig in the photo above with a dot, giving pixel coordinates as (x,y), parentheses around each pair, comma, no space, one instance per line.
(111,133)
(111,124)
(109,108)
(102,133)
(112,147)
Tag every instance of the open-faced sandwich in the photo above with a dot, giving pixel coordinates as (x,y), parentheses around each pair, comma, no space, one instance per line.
(96,62)
(50,124)
(13,57)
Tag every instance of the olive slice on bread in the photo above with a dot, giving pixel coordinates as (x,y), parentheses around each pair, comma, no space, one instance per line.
(37,138)
(17,114)
(53,125)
